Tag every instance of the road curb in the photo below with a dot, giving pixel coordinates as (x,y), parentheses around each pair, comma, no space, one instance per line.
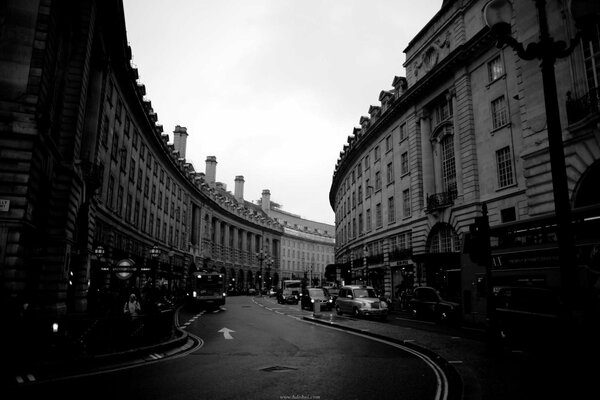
(454,378)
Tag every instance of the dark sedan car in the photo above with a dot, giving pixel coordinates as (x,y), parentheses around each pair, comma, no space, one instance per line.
(288,296)
(426,302)
(312,296)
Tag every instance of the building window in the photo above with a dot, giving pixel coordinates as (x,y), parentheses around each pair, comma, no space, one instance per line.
(367,162)
(508,214)
(378,216)
(404,163)
(377,180)
(128,214)
(377,153)
(369,188)
(505,168)
(442,111)
(359,169)
(353,199)
(448,164)
(391,210)
(403,133)
(105,125)
(406,203)
(127,127)
(495,69)
(360,223)
(388,143)
(390,173)
(119,200)
(140,178)
(368,222)
(499,112)
(109,191)
(591,55)
(359,194)
(136,213)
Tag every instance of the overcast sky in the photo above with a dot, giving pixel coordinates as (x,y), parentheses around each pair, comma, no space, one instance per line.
(272,88)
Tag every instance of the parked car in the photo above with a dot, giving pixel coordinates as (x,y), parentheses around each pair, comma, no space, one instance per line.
(526,316)
(360,301)
(427,303)
(288,296)
(312,295)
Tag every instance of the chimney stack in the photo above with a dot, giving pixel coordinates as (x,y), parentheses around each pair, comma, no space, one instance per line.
(211,170)
(266,201)
(180,140)
(239,189)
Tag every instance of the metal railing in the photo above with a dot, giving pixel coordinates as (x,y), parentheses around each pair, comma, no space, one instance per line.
(578,109)
(441,200)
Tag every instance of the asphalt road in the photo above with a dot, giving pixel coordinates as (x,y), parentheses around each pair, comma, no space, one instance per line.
(253,352)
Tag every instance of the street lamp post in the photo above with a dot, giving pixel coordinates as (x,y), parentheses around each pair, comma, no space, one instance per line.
(366,255)
(155,253)
(261,256)
(498,14)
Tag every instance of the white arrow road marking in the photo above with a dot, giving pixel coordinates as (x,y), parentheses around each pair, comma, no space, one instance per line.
(226,333)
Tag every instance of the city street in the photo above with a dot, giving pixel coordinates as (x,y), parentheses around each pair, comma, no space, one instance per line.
(250,352)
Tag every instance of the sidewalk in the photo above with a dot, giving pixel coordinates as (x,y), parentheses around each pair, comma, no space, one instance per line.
(56,363)
(477,372)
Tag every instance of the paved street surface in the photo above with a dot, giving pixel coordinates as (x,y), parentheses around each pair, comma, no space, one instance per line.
(255,348)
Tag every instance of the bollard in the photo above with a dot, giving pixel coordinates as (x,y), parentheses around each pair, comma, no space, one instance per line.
(316,308)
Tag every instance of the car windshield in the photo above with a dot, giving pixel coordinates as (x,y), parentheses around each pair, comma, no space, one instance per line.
(361,293)
(316,293)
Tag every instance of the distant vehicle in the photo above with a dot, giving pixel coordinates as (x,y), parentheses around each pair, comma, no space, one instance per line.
(207,289)
(426,302)
(360,300)
(526,316)
(333,292)
(290,292)
(312,296)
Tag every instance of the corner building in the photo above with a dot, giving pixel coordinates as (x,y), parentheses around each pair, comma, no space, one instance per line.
(95,201)
(466,127)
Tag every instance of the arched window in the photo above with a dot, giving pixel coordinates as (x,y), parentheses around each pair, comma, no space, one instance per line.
(443,239)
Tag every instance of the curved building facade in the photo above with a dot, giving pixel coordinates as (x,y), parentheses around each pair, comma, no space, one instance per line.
(95,200)
(463,131)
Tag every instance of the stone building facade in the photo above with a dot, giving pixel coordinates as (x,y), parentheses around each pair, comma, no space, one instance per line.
(307,246)
(466,127)
(93,196)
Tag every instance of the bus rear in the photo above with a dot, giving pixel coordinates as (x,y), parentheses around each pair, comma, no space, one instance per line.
(207,290)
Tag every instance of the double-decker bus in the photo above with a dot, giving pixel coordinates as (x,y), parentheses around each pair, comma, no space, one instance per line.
(207,289)
(525,254)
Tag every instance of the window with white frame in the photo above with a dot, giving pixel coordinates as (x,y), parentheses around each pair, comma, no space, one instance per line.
(591,55)
(499,112)
(388,143)
(505,167)
(448,163)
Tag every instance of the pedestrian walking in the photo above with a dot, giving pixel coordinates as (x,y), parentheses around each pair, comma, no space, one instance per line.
(132,306)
